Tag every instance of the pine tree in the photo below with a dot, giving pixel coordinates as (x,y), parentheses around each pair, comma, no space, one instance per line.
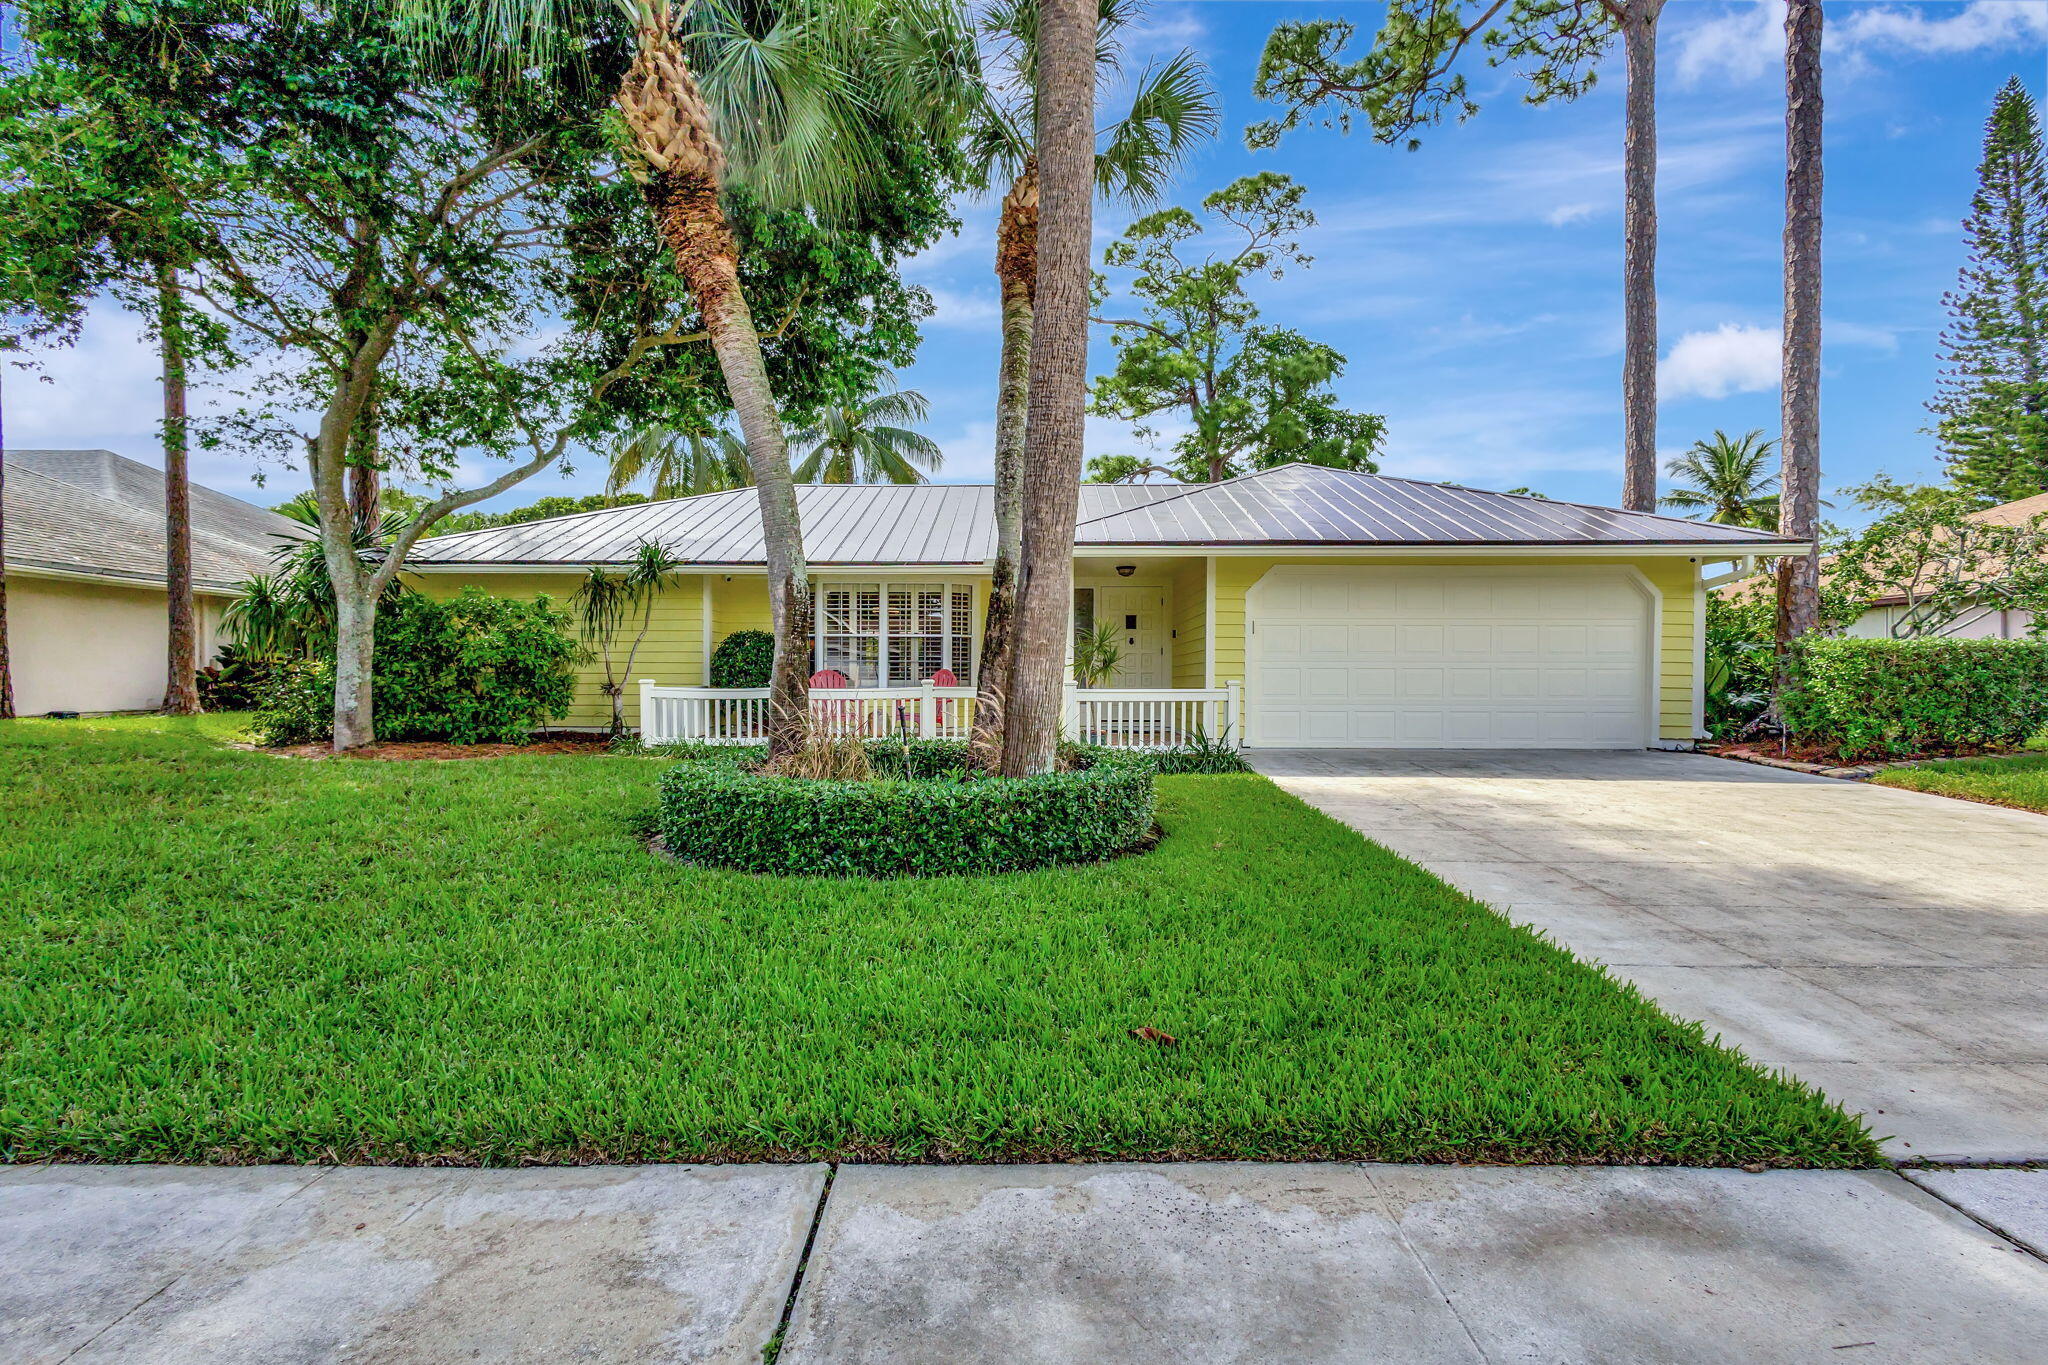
(1991,397)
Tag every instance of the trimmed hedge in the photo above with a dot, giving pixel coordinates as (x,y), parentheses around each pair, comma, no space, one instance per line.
(941,819)
(1888,697)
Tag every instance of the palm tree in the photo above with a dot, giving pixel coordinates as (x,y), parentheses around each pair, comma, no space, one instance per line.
(792,97)
(1172,107)
(680,463)
(1799,575)
(1724,479)
(857,444)
(1068,66)
(181,683)
(6,664)
(608,599)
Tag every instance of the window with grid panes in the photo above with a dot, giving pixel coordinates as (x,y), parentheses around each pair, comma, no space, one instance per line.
(896,634)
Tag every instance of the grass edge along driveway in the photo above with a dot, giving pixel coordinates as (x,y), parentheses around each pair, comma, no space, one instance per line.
(2017,780)
(214,955)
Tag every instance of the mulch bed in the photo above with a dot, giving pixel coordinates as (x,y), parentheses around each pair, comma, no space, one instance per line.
(406,750)
(1813,758)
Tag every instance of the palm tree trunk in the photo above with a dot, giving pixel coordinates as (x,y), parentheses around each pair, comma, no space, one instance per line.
(1799,575)
(707,258)
(1639,258)
(181,685)
(6,667)
(683,160)
(1016,268)
(1055,413)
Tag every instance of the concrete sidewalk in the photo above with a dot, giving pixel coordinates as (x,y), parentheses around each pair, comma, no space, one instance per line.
(1199,1263)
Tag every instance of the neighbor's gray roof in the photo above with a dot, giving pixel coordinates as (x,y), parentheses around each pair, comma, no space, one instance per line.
(955,523)
(92,511)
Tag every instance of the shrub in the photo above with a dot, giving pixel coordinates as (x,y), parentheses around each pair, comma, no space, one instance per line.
(744,658)
(1888,697)
(236,679)
(296,705)
(939,817)
(475,669)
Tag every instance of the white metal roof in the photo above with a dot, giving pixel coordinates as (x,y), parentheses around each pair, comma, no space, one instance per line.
(954,524)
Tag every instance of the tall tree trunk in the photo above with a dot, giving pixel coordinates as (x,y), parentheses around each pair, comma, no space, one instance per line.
(6,667)
(364,484)
(181,685)
(1639,258)
(1017,269)
(355,647)
(1799,575)
(672,131)
(1053,436)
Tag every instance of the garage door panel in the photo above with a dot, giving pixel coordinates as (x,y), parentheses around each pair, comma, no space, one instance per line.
(1480,658)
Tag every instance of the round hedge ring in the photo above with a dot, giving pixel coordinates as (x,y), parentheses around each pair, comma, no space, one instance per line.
(944,820)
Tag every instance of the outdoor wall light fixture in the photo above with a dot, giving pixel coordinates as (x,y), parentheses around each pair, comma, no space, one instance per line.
(1126,570)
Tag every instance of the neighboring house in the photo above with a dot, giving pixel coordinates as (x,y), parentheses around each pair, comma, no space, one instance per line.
(1352,610)
(88,627)
(1981,623)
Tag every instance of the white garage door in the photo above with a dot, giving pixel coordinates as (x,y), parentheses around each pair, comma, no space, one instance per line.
(1481,658)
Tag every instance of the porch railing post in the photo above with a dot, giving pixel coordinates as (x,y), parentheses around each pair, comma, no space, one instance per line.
(647,714)
(1070,712)
(928,711)
(1234,711)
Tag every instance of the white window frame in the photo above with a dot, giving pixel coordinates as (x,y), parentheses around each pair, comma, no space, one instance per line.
(955,632)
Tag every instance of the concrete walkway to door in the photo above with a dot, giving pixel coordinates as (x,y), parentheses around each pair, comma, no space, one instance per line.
(1890,947)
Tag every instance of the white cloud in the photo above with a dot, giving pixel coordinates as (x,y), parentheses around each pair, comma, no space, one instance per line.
(1977,26)
(1885,339)
(1733,358)
(1743,44)
(1566,214)
(964,308)
(1747,43)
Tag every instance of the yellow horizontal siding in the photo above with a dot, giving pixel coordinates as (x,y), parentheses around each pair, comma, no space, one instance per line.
(1190,625)
(672,652)
(1672,577)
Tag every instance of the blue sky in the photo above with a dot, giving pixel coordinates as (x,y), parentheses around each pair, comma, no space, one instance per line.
(1474,284)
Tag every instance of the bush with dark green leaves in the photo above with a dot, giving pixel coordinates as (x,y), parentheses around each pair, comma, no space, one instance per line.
(1884,698)
(236,679)
(475,669)
(296,705)
(744,658)
(925,813)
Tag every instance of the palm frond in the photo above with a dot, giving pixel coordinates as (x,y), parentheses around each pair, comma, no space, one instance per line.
(1172,109)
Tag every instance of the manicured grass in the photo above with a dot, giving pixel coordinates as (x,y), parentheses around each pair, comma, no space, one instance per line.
(2021,780)
(209,954)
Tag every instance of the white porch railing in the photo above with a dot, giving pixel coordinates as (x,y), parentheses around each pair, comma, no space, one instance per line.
(1120,717)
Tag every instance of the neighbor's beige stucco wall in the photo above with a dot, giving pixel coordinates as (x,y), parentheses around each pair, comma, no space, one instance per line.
(83,646)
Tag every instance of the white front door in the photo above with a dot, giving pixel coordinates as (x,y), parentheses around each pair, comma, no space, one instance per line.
(1139,616)
(1440,657)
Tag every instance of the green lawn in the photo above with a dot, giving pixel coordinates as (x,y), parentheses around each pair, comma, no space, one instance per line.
(2021,780)
(211,954)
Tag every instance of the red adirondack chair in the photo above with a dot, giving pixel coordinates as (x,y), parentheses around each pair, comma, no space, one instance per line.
(949,708)
(834,715)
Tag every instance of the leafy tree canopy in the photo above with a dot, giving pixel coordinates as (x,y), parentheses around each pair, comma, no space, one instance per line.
(1410,78)
(1253,396)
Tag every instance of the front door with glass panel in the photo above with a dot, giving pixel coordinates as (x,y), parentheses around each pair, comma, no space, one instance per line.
(1139,616)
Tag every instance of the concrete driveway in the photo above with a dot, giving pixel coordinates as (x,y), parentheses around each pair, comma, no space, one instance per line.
(1890,947)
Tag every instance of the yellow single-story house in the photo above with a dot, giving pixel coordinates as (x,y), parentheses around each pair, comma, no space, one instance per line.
(88,626)
(1339,609)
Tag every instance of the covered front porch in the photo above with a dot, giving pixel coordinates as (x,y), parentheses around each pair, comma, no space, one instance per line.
(907,647)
